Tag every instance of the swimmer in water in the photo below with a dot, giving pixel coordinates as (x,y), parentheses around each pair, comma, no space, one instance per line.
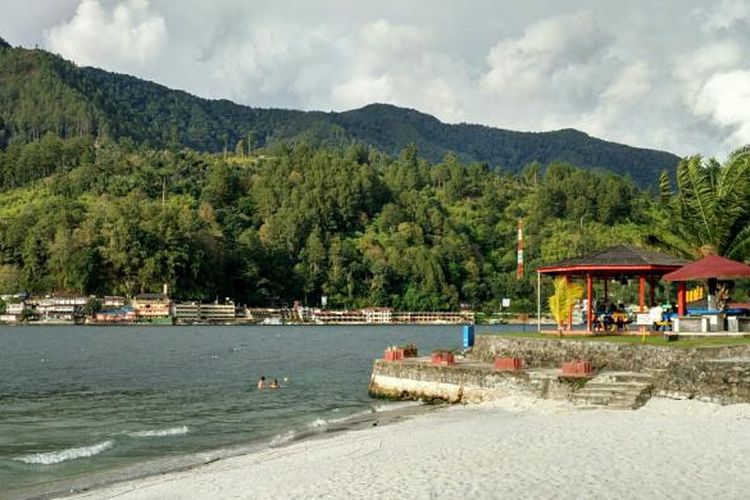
(274,384)
(261,382)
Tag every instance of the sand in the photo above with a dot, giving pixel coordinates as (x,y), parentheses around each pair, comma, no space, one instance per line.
(516,447)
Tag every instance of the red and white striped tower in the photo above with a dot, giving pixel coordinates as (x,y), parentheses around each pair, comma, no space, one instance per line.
(519,269)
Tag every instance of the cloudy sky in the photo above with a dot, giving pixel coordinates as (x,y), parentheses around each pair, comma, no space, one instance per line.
(669,74)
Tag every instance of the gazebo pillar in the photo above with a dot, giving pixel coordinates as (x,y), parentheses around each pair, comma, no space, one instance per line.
(641,292)
(681,292)
(570,310)
(589,306)
(539,302)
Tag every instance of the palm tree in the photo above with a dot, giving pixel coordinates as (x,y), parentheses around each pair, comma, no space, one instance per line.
(710,211)
(560,303)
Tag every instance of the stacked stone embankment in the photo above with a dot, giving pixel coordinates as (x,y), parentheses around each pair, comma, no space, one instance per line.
(719,374)
(714,373)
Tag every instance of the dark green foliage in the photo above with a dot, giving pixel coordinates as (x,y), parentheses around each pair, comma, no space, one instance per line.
(298,223)
(390,129)
(41,93)
(98,194)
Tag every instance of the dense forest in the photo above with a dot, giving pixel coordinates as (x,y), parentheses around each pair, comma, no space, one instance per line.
(87,208)
(297,222)
(41,92)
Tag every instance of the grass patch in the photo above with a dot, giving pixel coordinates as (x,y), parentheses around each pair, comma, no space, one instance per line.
(657,340)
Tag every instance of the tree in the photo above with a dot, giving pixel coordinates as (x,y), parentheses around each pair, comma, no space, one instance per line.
(711,208)
(241,148)
(561,302)
(92,306)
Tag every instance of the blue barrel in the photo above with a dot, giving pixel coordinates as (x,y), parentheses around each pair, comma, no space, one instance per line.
(468,336)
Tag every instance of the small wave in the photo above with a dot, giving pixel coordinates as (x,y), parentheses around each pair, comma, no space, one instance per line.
(395,406)
(332,422)
(55,457)
(318,422)
(283,438)
(174,431)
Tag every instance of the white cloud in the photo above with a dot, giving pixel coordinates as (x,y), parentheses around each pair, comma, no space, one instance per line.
(630,85)
(399,64)
(360,91)
(129,37)
(550,51)
(694,68)
(726,13)
(725,98)
(666,75)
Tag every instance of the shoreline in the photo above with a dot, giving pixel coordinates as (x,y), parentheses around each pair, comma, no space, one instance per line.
(514,446)
(139,471)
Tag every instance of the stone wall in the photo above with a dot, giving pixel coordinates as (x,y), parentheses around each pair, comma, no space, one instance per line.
(419,379)
(720,374)
(724,381)
(612,356)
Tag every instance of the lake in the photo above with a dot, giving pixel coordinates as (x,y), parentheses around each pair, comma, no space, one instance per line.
(80,401)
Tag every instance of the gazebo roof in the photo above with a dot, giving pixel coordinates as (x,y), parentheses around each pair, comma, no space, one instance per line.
(711,266)
(620,259)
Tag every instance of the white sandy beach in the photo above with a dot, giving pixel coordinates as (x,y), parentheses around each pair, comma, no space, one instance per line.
(518,447)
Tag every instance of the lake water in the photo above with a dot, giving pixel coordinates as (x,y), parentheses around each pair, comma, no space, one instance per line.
(82,401)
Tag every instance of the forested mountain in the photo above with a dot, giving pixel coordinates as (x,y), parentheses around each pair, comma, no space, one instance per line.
(40,93)
(354,224)
(109,184)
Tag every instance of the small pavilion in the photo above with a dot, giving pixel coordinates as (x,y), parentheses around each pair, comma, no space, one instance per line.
(710,268)
(618,262)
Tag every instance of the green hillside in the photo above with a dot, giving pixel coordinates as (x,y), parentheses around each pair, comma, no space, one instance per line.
(41,93)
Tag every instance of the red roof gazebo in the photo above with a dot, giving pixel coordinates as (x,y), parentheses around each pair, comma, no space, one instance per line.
(711,267)
(622,261)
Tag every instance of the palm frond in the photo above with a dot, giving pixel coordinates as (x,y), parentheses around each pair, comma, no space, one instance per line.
(739,248)
(565,296)
(694,181)
(665,187)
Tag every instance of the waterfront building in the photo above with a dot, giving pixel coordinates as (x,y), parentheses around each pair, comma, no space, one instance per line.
(433,317)
(194,311)
(152,307)
(14,312)
(15,308)
(341,317)
(114,301)
(60,309)
(377,314)
(119,316)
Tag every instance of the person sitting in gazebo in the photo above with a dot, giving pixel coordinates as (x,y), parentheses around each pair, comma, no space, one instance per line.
(620,318)
(596,323)
(656,314)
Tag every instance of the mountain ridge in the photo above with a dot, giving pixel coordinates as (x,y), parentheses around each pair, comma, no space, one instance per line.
(45,93)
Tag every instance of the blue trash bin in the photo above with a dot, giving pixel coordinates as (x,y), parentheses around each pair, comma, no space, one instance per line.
(468,336)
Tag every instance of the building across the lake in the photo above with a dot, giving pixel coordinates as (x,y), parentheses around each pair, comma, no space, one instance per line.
(60,309)
(118,316)
(193,312)
(385,315)
(152,308)
(159,308)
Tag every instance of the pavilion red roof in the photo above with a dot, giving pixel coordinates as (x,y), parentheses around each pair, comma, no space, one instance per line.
(711,266)
(621,259)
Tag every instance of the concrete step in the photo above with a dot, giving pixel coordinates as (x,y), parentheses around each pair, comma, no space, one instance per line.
(608,394)
(596,383)
(617,377)
(616,390)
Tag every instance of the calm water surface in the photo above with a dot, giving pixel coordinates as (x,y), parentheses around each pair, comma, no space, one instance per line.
(82,400)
